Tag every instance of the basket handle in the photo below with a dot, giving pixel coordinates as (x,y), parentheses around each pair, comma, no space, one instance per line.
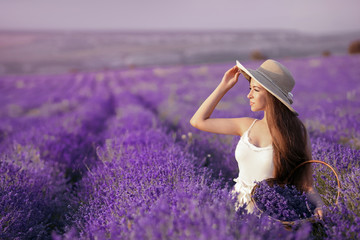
(326,164)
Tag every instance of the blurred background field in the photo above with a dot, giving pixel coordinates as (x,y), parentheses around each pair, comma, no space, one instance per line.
(56,52)
(42,37)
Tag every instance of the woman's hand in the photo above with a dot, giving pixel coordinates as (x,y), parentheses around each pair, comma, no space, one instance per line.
(319,212)
(315,198)
(230,77)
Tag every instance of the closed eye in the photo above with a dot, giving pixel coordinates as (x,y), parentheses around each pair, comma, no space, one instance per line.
(255,89)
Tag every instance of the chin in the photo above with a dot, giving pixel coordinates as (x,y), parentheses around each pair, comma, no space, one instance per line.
(256,109)
(253,109)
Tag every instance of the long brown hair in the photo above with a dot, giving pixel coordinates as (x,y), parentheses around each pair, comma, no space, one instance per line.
(289,140)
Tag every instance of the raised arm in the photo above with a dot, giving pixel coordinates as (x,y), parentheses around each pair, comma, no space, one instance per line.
(232,126)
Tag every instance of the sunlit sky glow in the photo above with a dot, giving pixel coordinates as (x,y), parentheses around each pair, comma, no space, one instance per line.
(319,16)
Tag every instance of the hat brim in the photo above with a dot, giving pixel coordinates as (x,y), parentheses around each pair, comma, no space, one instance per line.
(265,83)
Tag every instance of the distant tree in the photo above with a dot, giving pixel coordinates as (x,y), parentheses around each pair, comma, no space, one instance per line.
(326,53)
(354,47)
(257,55)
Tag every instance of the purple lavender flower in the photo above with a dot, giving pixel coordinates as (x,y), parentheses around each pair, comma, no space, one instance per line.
(284,203)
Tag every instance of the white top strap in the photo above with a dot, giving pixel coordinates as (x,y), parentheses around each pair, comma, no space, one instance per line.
(252,125)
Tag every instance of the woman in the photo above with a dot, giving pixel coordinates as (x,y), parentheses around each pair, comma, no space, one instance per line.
(270,147)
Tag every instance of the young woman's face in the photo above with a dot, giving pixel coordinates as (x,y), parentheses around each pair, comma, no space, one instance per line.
(257,96)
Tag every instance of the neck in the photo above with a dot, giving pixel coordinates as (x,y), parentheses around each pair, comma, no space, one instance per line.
(264,118)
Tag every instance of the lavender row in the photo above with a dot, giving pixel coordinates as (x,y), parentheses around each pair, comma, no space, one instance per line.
(45,149)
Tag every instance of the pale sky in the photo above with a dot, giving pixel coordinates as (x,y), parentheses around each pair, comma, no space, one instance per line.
(310,16)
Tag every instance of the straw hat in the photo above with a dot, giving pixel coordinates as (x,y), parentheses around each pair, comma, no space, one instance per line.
(275,78)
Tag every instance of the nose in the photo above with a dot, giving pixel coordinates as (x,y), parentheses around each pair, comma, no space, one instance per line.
(249,96)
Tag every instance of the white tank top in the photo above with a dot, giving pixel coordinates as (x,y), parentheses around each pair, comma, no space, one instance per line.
(255,164)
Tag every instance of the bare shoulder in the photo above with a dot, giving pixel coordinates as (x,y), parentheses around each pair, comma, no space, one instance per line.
(244,124)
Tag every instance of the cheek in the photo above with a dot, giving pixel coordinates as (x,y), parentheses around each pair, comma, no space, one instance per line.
(262,100)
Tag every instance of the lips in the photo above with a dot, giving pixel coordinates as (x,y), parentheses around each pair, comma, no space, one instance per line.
(252,103)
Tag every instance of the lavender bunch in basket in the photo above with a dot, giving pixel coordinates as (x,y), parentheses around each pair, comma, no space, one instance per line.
(285,203)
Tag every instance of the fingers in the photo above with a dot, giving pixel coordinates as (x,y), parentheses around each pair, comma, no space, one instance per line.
(240,71)
(232,71)
(319,213)
(236,70)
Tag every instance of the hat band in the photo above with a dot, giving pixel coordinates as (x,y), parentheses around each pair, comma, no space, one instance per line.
(288,95)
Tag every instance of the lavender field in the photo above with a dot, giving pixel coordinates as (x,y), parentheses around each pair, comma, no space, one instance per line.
(111,154)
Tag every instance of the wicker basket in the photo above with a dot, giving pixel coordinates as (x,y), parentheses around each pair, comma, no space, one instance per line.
(272,181)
